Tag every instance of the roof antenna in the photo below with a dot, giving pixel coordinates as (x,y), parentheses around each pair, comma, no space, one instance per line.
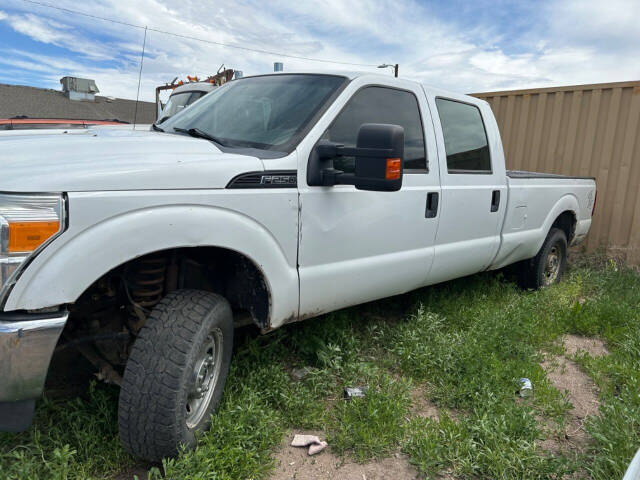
(144,44)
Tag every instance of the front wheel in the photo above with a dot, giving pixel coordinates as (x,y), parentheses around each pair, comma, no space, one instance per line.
(547,267)
(175,374)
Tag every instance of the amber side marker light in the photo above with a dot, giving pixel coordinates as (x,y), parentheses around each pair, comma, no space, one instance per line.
(27,236)
(393,169)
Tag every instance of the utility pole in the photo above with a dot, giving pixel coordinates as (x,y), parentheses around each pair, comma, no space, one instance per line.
(390,65)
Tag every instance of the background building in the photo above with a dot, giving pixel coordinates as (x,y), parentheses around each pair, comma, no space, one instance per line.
(583,130)
(77,100)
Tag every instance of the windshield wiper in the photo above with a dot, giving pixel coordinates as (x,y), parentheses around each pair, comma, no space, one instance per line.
(197,133)
(156,128)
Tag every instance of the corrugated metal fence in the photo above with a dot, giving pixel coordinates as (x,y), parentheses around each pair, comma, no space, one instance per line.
(585,130)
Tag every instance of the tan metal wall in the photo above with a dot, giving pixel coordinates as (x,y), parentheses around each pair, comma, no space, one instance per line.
(585,130)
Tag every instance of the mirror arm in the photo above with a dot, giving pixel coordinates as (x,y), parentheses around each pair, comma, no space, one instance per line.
(364,152)
(328,150)
(331,177)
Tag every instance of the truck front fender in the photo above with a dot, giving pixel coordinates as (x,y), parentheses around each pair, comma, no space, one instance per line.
(84,253)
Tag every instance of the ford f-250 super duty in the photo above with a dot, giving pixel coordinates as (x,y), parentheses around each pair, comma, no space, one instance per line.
(276,198)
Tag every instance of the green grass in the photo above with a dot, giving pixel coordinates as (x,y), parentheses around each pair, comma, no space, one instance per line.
(465,343)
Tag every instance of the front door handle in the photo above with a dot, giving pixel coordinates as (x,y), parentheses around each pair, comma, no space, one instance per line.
(432,205)
(495,200)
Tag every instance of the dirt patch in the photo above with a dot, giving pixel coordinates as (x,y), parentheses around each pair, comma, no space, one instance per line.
(421,406)
(141,471)
(567,377)
(553,445)
(294,463)
(581,391)
(574,344)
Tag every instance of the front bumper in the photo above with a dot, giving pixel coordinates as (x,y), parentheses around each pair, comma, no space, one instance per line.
(27,342)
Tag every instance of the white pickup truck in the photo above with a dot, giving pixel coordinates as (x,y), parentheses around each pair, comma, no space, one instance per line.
(275,198)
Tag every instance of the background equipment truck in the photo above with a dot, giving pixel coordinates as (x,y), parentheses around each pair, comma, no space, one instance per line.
(185,93)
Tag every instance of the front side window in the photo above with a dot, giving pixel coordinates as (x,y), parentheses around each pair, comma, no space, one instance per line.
(271,112)
(465,139)
(381,105)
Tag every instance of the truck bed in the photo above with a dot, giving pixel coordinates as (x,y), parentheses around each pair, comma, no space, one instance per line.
(535,201)
(526,174)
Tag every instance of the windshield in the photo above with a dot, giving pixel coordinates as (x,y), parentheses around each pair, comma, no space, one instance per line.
(269,112)
(178,101)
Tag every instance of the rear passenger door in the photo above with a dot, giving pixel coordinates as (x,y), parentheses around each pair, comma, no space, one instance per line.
(474,190)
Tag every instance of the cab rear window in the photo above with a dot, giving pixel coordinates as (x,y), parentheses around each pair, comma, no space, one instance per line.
(465,139)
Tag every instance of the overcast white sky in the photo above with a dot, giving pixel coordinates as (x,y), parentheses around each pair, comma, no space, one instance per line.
(462,46)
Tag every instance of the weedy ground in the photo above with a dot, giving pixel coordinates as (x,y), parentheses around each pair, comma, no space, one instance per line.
(461,347)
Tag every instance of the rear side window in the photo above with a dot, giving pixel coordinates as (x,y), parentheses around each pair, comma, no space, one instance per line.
(465,139)
(381,105)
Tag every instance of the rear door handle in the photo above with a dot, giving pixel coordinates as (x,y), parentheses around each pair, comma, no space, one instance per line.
(432,205)
(495,200)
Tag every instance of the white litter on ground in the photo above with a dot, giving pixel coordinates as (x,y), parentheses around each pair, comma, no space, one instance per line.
(313,442)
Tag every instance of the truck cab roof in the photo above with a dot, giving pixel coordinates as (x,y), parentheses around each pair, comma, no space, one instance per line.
(194,87)
(372,77)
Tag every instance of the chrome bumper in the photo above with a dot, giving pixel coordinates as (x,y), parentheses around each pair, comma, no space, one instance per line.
(27,342)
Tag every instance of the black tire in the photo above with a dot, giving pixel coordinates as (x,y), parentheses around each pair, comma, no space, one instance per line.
(534,273)
(160,375)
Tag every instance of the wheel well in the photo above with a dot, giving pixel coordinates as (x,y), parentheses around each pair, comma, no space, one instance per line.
(566,222)
(106,319)
(143,281)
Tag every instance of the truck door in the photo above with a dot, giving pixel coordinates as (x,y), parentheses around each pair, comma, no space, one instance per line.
(474,190)
(356,246)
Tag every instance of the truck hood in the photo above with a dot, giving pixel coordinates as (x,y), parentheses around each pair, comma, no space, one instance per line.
(113,159)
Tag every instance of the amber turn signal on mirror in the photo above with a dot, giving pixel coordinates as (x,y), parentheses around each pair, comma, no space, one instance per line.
(393,171)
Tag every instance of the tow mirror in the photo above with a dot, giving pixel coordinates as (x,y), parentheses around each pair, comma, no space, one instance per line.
(379,159)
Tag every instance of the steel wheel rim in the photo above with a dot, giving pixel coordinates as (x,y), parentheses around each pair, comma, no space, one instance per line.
(206,372)
(552,265)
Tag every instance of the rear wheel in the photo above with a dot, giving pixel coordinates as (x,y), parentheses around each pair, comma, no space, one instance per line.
(175,374)
(547,267)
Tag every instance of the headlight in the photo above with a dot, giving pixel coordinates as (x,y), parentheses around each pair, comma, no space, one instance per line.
(27,224)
